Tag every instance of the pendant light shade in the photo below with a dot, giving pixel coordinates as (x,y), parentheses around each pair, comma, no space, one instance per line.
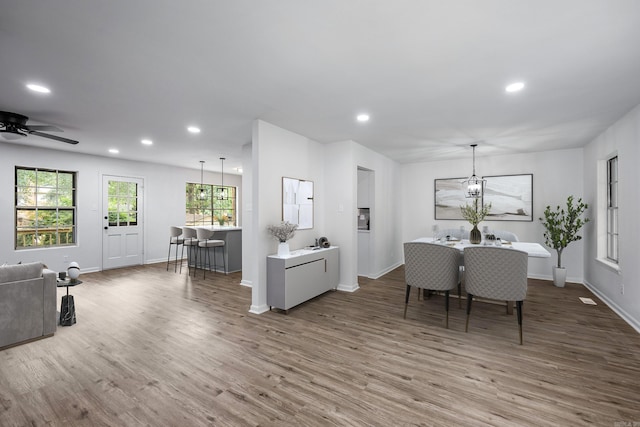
(222,192)
(203,193)
(473,187)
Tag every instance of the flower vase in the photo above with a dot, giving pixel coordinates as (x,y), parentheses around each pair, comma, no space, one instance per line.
(475,236)
(283,249)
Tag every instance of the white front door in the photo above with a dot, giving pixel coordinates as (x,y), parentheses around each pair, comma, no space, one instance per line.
(122,243)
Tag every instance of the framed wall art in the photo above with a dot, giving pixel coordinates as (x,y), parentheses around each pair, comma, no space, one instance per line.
(448,197)
(511,197)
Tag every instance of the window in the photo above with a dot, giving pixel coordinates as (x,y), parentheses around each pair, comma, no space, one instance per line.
(210,209)
(123,204)
(45,208)
(612,209)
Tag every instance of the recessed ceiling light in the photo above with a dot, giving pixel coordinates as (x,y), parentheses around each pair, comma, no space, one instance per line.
(147,142)
(114,150)
(38,88)
(515,87)
(193,129)
(363,118)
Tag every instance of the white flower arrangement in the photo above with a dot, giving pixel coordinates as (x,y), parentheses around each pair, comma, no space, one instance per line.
(283,231)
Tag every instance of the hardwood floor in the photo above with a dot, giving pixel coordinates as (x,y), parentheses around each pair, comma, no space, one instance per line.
(161,349)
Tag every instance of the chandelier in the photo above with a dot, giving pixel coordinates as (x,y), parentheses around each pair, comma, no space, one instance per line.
(473,187)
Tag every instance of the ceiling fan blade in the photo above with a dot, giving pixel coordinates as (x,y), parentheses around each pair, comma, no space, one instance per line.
(50,128)
(57,138)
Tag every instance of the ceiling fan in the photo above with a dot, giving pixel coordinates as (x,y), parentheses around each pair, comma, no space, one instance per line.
(13,125)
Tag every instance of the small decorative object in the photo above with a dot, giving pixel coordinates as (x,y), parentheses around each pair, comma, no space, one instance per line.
(561,228)
(62,275)
(474,214)
(73,271)
(283,232)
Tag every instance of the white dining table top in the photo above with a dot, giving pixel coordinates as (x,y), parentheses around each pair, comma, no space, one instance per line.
(535,250)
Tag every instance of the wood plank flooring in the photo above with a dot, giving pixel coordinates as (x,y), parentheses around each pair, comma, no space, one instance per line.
(156,348)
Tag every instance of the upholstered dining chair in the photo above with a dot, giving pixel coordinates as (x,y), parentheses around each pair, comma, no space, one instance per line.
(497,273)
(176,240)
(505,235)
(433,267)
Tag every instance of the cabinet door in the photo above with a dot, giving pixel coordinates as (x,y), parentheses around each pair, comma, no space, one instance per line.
(304,282)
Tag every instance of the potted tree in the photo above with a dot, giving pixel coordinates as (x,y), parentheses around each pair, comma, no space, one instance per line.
(561,228)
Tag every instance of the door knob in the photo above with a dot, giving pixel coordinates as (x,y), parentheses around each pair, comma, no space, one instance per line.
(106,228)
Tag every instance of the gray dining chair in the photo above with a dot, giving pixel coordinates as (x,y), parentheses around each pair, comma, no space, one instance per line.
(454,233)
(496,273)
(176,240)
(432,267)
(505,235)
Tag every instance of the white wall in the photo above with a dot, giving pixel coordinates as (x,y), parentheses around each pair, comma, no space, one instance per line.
(278,153)
(622,138)
(556,175)
(164,201)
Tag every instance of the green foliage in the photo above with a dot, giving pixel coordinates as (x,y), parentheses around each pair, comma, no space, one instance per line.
(473,214)
(562,226)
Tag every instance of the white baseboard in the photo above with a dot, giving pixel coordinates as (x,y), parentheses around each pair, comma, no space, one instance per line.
(347,288)
(247,283)
(635,324)
(385,271)
(259,309)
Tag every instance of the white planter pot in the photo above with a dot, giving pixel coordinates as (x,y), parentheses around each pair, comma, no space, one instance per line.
(559,276)
(283,249)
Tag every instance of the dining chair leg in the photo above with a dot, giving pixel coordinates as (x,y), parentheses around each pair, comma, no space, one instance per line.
(446,305)
(469,299)
(406,300)
(519,308)
(459,295)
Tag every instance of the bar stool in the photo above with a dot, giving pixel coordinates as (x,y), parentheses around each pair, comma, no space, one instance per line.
(191,241)
(204,242)
(174,239)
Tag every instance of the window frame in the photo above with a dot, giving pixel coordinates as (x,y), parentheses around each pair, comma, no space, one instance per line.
(207,210)
(612,218)
(32,199)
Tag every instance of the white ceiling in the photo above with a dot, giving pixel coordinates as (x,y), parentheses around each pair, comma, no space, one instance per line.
(430,73)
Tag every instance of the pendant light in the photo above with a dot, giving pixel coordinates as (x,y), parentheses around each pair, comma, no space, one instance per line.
(474,186)
(222,193)
(203,193)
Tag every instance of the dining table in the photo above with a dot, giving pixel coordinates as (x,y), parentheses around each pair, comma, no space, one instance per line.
(533,249)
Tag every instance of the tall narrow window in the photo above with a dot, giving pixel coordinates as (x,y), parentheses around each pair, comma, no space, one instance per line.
(45,208)
(612,209)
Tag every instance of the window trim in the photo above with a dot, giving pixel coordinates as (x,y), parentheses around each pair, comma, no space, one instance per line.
(212,191)
(612,234)
(18,230)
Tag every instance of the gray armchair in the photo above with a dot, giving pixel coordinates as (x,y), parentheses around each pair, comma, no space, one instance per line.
(496,273)
(432,267)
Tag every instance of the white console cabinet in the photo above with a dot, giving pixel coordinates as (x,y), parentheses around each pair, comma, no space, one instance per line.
(301,276)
